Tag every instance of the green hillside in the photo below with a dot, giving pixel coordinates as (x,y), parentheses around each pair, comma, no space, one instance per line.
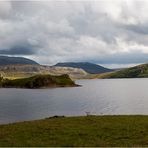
(38,81)
(140,71)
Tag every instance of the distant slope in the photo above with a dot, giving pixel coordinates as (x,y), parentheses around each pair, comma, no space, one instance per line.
(140,71)
(5,60)
(39,81)
(88,67)
(21,71)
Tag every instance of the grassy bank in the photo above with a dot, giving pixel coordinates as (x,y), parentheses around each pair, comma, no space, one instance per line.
(78,131)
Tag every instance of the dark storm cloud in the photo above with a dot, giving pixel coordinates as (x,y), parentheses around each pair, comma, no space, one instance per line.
(18,50)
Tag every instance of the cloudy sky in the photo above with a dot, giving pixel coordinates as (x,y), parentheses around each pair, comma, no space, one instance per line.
(108,32)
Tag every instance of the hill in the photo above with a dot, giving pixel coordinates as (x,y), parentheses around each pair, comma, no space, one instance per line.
(38,81)
(140,71)
(21,71)
(88,67)
(5,60)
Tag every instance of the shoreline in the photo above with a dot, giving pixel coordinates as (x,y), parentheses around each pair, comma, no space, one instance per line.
(80,131)
(49,87)
(74,116)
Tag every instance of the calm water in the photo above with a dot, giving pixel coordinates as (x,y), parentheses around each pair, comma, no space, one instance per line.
(114,96)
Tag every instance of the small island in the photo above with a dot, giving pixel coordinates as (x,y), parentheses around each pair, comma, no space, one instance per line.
(38,81)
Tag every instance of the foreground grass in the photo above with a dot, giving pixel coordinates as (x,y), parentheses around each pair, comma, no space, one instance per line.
(78,131)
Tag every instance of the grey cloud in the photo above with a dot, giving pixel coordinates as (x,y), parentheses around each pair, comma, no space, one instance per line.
(55,31)
(140,29)
(17,50)
(127,58)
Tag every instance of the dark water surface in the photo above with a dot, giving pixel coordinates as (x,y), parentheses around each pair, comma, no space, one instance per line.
(104,96)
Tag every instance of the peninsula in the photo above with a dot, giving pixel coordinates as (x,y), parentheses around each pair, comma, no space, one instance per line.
(38,81)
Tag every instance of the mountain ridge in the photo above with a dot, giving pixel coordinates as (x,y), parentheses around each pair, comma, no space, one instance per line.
(86,66)
(6,60)
(19,71)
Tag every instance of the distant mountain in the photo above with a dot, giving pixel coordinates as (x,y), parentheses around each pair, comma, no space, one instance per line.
(21,70)
(5,60)
(88,67)
(140,71)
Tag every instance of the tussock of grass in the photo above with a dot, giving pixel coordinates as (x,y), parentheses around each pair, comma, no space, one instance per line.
(78,131)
